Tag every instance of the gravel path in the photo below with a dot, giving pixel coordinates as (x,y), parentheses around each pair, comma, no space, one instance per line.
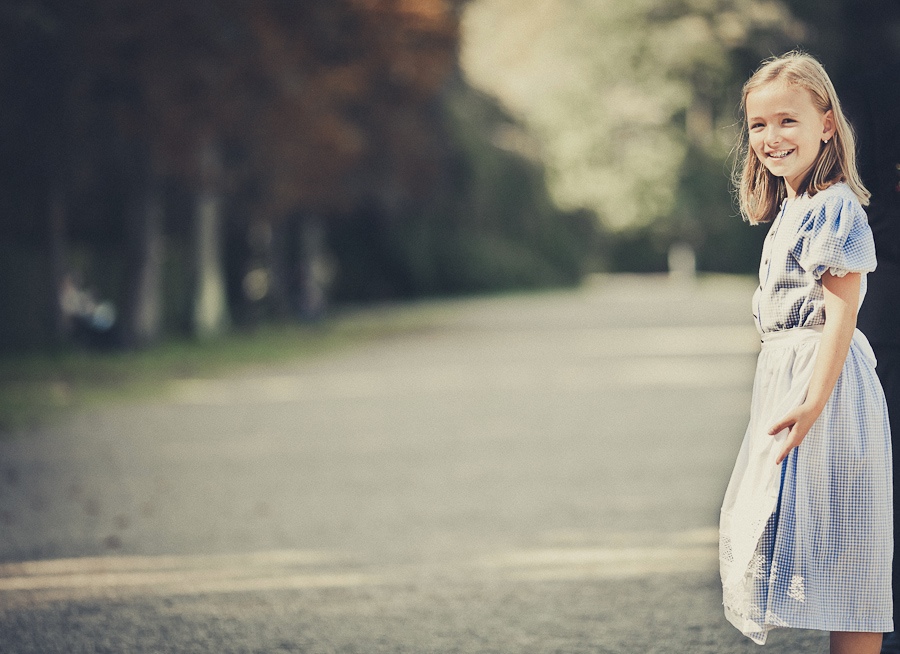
(534,473)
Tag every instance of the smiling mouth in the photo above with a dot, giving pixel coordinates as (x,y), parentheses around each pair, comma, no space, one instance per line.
(781,154)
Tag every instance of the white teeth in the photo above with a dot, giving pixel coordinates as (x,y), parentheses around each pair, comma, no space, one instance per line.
(781,154)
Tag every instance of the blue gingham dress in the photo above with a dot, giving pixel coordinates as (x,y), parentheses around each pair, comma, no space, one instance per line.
(808,543)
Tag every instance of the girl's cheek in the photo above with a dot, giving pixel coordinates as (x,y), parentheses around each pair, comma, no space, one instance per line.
(755,146)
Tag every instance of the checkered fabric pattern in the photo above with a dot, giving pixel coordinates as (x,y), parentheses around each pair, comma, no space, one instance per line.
(823,560)
(828,231)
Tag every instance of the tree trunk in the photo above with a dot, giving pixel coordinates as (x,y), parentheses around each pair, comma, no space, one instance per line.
(313,268)
(301,266)
(210,306)
(59,273)
(148,310)
(278,261)
(142,316)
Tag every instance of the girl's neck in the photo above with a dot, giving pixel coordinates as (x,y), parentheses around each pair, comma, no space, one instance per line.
(791,192)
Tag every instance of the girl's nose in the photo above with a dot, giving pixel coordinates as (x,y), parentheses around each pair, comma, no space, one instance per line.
(772,136)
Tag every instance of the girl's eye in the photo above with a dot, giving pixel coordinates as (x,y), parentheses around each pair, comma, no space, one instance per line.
(755,125)
(788,120)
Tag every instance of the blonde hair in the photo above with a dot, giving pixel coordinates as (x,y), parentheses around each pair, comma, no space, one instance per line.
(759,192)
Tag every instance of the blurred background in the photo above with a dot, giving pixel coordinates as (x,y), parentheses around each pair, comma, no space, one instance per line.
(174,168)
(192,186)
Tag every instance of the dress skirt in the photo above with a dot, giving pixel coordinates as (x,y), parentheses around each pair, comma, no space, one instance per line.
(808,543)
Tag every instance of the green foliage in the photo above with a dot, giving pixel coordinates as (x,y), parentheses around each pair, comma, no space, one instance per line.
(634,105)
(706,217)
(638,249)
(490,226)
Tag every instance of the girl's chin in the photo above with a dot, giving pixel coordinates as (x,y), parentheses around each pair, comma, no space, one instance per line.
(779,170)
(774,166)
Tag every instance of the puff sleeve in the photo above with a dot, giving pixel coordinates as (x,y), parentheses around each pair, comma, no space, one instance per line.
(835,236)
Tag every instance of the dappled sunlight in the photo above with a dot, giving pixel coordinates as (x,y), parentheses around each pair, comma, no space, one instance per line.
(71,579)
(604,563)
(55,580)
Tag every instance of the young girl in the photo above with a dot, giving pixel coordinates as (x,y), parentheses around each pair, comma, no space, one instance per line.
(806,524)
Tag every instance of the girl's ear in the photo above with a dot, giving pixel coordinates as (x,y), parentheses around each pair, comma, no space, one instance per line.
(828,127)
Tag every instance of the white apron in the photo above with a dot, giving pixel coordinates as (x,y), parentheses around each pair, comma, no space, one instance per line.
(783,374)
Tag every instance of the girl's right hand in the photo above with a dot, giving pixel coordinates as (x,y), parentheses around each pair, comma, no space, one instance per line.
(841,303)
(798,421)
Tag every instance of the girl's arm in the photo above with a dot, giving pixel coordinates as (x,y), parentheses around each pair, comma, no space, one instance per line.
(841,304)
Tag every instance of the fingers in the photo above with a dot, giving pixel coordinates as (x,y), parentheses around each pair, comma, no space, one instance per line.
(777,428)
(798,422)
(785,423)
(784,453)
(794,438)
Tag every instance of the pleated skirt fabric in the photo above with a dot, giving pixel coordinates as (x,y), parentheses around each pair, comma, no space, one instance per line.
(808,543)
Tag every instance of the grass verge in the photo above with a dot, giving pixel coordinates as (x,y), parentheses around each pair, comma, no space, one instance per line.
(39,387)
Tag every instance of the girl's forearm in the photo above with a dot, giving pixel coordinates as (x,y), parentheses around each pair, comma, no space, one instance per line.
(841,302)
(833,349)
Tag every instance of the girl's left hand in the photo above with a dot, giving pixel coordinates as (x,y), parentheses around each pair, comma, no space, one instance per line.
(841,303)
(798,421)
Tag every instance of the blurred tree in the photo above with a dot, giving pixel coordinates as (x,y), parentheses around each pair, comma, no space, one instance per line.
(343,123)
(616,91)
(634,105)
(244,140)
(177,84)
(361,99)
(36,84)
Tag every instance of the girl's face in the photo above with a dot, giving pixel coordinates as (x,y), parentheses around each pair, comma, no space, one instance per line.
(786,130)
